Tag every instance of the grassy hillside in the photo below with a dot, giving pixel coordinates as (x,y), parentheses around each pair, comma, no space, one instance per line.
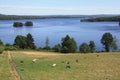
(104,66)
(5,68)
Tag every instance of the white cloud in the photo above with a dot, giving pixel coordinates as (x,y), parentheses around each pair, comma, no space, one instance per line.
(37,10)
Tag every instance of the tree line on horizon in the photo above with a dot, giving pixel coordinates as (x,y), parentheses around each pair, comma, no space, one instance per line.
(68,44)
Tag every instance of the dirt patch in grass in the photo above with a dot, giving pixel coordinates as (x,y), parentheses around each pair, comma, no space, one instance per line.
(41,53)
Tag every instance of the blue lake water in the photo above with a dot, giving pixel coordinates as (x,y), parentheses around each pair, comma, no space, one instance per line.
(55,29)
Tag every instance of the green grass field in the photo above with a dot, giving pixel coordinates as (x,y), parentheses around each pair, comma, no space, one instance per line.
(106,66)
(5,68)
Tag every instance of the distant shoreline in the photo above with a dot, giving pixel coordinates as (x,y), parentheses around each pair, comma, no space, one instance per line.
(21,17)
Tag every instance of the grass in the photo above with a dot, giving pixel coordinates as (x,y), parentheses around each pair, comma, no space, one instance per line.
(106,66)
(5,68)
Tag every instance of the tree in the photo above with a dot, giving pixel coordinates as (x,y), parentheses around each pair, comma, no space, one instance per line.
(114,44)
(57,48)
(68,45)
(1,43)
(28,23)
(1,47)
(20,41)
(84,48)
(107,40)
(47,42)
(30,41)
(92,46)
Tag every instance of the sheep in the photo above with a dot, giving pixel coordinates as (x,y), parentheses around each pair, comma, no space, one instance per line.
(53,65)
(34,60)
(68,65)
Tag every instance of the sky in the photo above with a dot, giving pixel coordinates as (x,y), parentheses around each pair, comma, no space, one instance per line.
(59,7)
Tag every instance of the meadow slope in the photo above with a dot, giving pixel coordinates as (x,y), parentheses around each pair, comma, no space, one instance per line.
(100,66)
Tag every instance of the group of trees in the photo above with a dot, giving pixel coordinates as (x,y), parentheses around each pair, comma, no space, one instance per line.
(86,48)
(68,44)
(24,42)
(20,24)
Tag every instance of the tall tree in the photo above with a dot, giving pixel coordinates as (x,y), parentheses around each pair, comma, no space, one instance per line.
(92,46)
(107,40)
(68,45)
(20,41)
(84,48)
(30,41)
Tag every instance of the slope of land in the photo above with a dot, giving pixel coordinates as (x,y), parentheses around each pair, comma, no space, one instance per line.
(101,66)
(5,68)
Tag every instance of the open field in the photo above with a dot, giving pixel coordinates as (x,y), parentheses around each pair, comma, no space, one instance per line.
(104,66)
(5,69)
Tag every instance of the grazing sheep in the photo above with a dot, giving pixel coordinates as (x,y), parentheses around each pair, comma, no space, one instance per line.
(68,65)
(53,65)
(97,55)
(34,60)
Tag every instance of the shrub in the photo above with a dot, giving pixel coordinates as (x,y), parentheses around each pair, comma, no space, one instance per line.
(57,48)
(84,48)
(10,48)
(1,49)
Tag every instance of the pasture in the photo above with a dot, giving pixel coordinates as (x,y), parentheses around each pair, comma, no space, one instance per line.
(102,66)
(5,68)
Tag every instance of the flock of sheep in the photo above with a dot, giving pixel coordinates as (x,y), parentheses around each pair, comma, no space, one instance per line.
(54,65)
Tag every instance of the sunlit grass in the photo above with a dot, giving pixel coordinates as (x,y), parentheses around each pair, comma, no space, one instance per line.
(5,68)
(102,66)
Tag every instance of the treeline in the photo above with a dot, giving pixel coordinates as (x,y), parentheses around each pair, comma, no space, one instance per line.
(16,17)
(67,45)
(102,19)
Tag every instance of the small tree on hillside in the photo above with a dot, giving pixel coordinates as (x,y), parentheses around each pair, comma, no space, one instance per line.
(92,46)
(20,41)
(30,41)
(68,45)
(107,40)
(84,48)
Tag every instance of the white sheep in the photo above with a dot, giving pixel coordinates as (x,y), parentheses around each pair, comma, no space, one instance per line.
(34,60)
(54,65)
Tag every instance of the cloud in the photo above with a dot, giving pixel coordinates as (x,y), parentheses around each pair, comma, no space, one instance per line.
(41,10)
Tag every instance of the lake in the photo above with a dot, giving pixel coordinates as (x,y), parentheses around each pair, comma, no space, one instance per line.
(55,29)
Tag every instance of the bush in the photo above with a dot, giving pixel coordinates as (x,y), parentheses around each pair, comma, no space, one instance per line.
(84,48)
(10,48)
(1,49)
(28,23)
(57,48)
(18,24)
